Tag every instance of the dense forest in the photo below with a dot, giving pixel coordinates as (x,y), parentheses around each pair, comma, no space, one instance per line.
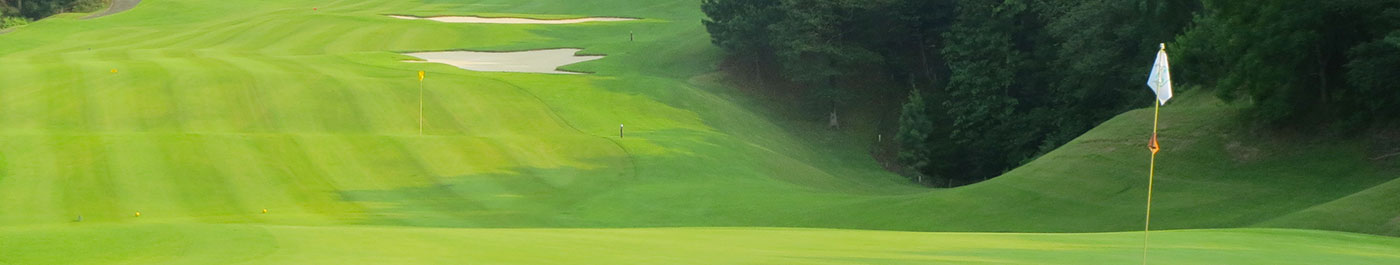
(21,12)
(988,85)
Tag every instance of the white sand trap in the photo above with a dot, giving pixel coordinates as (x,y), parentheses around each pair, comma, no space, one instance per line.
(513,20)
(536,61)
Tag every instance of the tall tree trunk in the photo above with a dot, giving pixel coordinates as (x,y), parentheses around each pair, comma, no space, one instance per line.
(923,53)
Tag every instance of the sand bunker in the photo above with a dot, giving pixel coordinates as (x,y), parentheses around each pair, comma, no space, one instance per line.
(536,61)
(512,20)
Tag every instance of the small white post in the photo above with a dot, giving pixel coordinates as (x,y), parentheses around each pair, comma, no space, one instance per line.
(619,130)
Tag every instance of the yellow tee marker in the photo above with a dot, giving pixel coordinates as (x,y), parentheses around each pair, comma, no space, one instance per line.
(264,210)
(114,70)
(138,213)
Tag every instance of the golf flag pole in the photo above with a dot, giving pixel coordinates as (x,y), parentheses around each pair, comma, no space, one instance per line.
(1160,80)
(420,102)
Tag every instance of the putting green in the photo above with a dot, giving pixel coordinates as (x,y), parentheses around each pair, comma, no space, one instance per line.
(221,244)
(200,113)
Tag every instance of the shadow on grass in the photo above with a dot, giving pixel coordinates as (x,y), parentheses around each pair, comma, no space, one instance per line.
(518,197)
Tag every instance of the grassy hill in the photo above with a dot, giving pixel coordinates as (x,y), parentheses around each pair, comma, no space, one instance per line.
(1212,173)
(199,114)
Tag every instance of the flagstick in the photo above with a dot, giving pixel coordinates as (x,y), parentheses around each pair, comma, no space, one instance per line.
(420,106)
(1151,167)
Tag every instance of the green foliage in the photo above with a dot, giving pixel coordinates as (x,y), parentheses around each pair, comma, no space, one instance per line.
(835,50)
(1030,76)
(1267,49)
(1291,58)
(992,88)
(741,26)
(813,47)
(922,140)
(85,6)
(1100,50)
(1374,74)
(1003,81)
(916,127)
(38,9)
(1024,77)
(8,22)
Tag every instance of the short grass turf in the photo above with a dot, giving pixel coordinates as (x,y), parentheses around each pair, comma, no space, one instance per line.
(228,244)
(199,114)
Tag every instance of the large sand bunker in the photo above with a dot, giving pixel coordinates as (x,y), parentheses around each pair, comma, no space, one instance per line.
(536,61)
(512,20)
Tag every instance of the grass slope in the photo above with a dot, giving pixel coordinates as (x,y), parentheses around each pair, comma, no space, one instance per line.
(217,110)
(1211,174)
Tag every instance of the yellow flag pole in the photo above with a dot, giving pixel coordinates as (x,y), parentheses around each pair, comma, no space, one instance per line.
(420,103)
(1151,168)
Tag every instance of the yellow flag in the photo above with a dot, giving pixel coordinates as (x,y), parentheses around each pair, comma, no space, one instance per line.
(420,75)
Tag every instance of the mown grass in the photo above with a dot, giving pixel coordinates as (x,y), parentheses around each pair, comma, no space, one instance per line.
(219,109)
(227,244)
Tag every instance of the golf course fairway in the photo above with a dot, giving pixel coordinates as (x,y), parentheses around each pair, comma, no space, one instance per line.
(288,132)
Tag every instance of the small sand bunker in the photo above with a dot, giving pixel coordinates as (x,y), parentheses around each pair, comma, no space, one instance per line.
(513,20)
(536,61)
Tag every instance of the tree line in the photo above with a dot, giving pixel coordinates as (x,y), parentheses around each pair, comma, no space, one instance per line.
(988,85)
(20,12)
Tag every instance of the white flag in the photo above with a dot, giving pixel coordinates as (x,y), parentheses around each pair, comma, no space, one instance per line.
(1161,78)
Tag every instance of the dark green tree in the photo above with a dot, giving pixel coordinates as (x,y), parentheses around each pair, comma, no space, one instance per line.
(1100,54)
(1289,58)
(38,9)
(923,140)
(741,26)
(817,45)
(994,94)
(1374,75)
